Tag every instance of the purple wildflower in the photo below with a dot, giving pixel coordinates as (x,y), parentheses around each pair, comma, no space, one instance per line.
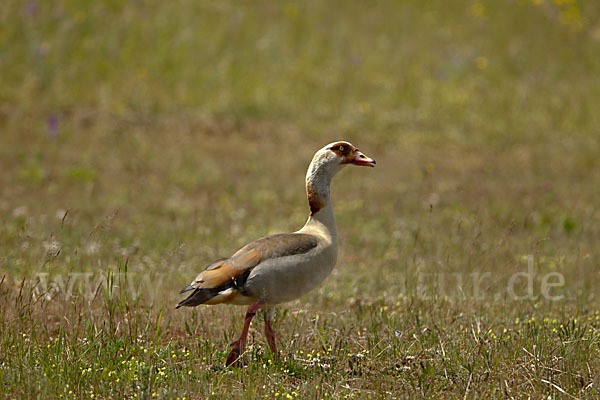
(52,124)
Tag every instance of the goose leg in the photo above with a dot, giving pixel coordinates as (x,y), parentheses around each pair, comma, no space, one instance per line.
(269,332)
(239,345)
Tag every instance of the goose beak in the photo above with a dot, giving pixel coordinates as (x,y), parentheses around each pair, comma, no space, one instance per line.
(362,160)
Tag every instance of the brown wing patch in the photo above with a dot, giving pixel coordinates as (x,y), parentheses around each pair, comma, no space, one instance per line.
(216,264)
(245,260)
(219,273)
(281,245)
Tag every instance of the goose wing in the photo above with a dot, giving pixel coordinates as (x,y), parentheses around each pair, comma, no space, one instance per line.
(223,280)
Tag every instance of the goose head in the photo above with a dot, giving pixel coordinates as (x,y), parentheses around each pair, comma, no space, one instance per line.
(330,159)
(327,162)
(346,154)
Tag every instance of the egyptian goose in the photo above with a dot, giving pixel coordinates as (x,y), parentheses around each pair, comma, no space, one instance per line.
(279,268)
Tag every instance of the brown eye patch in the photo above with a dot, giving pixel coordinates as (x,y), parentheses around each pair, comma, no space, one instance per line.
(343,150)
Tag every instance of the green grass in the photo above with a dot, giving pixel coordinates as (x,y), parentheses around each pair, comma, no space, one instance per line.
(142,140)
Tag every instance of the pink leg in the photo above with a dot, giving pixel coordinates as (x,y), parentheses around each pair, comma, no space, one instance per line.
(239,345)
(270,334)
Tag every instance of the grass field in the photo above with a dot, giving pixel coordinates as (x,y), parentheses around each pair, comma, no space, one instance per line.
(140,140)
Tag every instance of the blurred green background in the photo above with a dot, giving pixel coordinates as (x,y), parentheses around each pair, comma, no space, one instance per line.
(167,134)
(467,71)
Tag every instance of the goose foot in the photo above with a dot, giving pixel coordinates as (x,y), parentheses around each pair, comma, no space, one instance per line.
(238,347)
